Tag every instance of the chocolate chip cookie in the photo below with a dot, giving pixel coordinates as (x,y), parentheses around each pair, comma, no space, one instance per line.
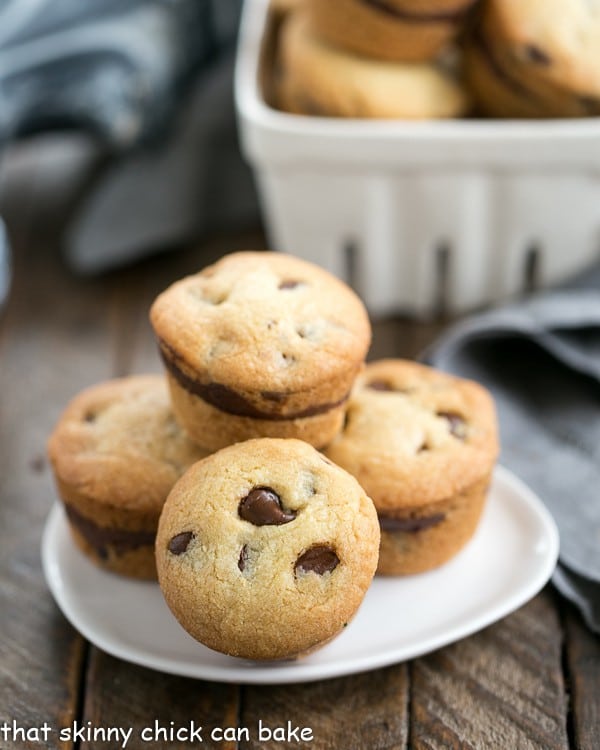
(260,345)
(536,58)
(265,549)
(316,78)
(398,30)
(423,445)
(116,453)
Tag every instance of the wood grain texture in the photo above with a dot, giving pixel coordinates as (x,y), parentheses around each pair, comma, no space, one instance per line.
(399,337)
(55,340)
(119,694)
(583,669)
(501,688)
(361,711)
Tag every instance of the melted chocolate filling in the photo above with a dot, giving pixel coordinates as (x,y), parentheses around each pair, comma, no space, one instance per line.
(448,16)
(410,525)
(101,537)
(229,401)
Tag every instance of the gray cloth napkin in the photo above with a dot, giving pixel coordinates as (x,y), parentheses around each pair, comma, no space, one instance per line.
(541,360)
(116,68)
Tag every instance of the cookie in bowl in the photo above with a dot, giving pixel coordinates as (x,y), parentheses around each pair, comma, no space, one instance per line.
(260,344)
(266,549)
(116,452)
(396,30)
(316,78)
(535,59)
(423,444)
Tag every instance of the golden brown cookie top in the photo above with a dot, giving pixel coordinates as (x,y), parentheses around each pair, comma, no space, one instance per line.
(262,321)
(558,41)
(344,84)
(265,548)
(118,443)
(415,435)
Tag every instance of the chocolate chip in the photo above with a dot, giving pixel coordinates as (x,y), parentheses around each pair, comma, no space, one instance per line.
(410,525)
(90,416)
(456,424)
(536,55)
(380,385)
(319,559)
(289,284)
(180,542)
(243,558)
(262,507)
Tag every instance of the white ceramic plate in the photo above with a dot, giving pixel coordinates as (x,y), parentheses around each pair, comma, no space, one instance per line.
(508,561)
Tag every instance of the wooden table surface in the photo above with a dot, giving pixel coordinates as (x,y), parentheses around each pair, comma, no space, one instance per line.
(531,680)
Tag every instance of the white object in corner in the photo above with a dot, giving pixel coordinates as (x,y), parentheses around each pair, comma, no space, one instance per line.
(421,215)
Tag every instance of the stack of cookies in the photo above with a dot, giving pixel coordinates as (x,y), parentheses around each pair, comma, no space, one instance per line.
(539,58)
(389,58)
(271,471)
(371,58)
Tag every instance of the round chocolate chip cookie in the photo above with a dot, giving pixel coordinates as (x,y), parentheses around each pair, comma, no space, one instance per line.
(116,453)
(536,58)
(260,345)
(319,79)
(397,30)
(423,445)
(265,549)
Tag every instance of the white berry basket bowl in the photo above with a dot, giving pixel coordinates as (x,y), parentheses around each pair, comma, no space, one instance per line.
(420,217)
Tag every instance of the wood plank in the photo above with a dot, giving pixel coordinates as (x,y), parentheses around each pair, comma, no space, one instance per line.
(360,711)
(501,688)
(401,337)
(122,695)
(583,672)
(55,340)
